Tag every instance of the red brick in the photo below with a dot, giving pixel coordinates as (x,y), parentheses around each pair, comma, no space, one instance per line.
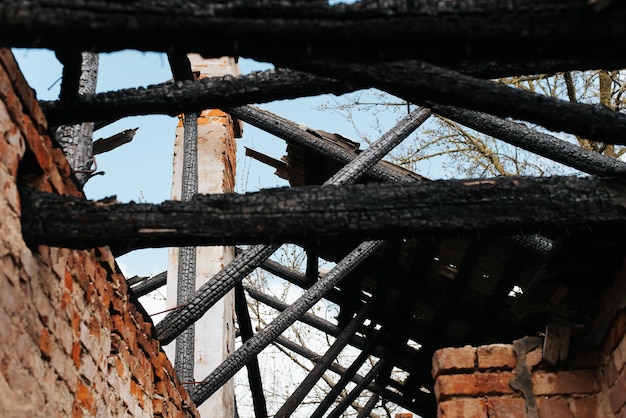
(453,359)
(473,384)
(85,398)
(38,145)
(619,355)
(77,351)
(585,407)
(496,356)
(554,407)
(617,392)
(45,344)
(506,407)
(465,408)
(566,382)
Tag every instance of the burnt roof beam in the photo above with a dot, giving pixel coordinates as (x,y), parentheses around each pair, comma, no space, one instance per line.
(503,206)
(494,38)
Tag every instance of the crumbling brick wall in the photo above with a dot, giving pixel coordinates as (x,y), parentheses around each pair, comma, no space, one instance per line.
(488,381)
(72,342)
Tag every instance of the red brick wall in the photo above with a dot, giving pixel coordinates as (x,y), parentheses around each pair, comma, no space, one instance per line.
(72,343)
(474,382)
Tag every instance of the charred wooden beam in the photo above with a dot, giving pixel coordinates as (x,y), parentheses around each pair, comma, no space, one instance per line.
(557,205)
(492,35)
(254,372)
(403,360)
(350,372)
(356,391)
(149,284)
(256,344)
(298,395)
(293,133)
(419,405)
(422,83)
(103,145)
(534,141)
(191,96)
(212,291)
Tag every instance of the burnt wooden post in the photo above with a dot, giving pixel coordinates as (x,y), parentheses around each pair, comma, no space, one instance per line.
(254,373)
(80,76)
(204,162)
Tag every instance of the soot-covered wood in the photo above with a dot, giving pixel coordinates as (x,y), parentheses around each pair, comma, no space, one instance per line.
(559,205)
(491,34)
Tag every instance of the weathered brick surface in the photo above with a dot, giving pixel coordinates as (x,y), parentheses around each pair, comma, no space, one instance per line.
(496,356)
(587,385)
(464,407)
(73,344)
(454,359)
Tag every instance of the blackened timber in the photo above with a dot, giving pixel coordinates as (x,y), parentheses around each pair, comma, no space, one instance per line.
(178,97)
(347,376)
(557,205)
(298,395)
(491,33)
(209,293)
(356,391)
(534,141)
(229,367)
(254,372)
(403,359)
(293,133)
(422,83)
(420,403)
(148,285)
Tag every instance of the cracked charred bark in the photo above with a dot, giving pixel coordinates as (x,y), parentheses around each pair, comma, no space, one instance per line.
(553,205)
(421,83)
(191,96)
(492,34)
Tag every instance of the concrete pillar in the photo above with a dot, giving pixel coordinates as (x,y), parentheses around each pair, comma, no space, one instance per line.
(214,332)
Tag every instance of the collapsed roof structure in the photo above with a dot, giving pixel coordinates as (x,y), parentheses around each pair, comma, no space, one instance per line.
(418,261)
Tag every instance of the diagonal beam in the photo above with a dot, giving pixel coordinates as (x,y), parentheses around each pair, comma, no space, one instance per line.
(256,344)
(543,144)
(403,361)
(421,83)
(422,402)
(212,291)
(369,406)
(350,372)
(293,133)
(356,391)
(296,397)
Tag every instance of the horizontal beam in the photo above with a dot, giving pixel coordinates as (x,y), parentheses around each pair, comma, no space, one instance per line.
(557,205)
(191,96)
(489,34)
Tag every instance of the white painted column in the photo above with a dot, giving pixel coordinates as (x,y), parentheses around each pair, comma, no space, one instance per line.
(214,332)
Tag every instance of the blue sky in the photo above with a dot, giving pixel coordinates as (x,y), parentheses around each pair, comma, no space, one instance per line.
(142,169)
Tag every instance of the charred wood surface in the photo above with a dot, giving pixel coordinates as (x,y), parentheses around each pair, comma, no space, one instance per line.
(421,83)
(490,32)
(558,205)
(191,96)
